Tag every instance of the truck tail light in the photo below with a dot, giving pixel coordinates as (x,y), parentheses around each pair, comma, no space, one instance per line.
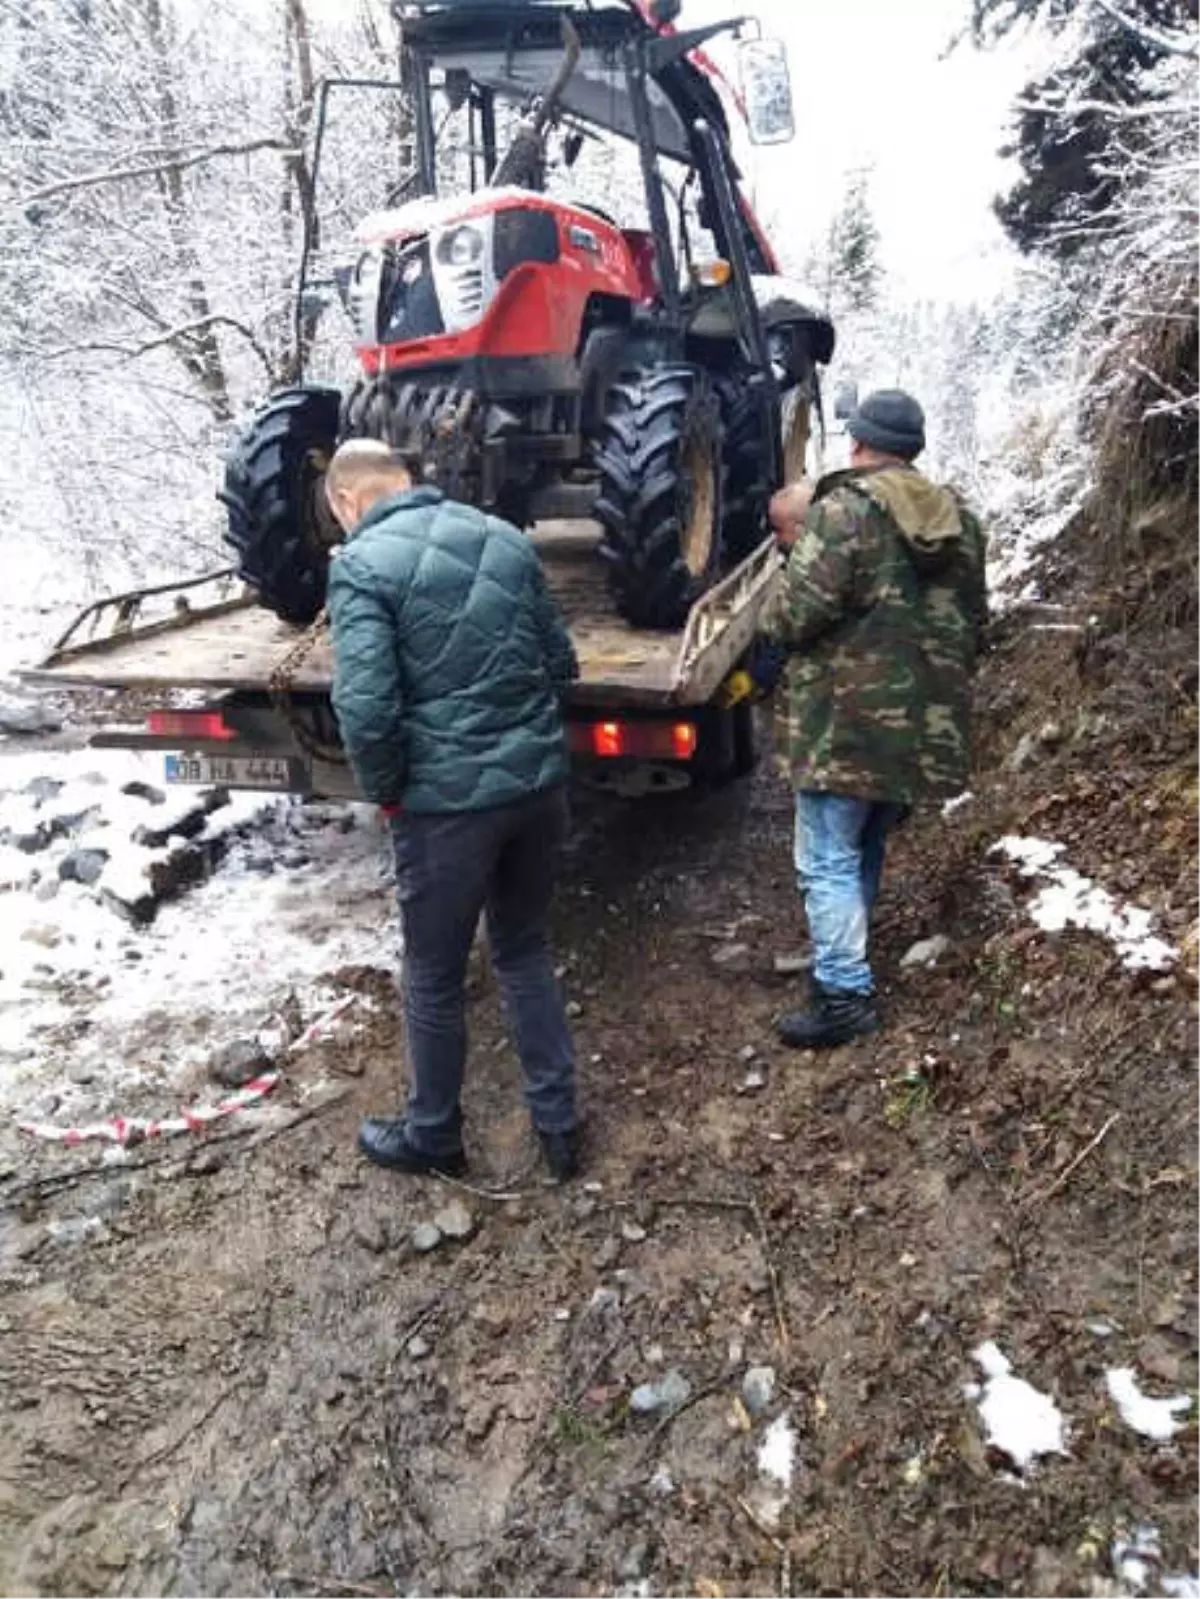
(683,740)
(608,738)
(190,725)
(662,741)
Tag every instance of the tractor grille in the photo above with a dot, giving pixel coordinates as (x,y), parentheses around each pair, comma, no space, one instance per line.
(464,291)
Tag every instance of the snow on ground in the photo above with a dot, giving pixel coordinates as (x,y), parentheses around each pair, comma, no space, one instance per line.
(1137,1563)
(1159,1419)
(1072,900)
(777,1453)
(1017,1419)
(93,1005)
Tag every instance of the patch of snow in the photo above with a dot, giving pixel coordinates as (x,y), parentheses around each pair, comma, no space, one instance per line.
(1153,1418)
(1032,855)
(92,1008)
(1071,900)
(1136,1558)
(1017,1418)
(956,802)
(777,1452)
(424,213)
(1137,1565)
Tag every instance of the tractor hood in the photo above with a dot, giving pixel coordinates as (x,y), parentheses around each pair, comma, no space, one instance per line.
(434,266)
(425,214)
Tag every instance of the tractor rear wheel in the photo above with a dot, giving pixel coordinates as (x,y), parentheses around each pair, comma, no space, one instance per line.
(280,524)
(662,479)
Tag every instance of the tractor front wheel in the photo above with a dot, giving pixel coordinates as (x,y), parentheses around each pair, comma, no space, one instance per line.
(280,524)
(662,478)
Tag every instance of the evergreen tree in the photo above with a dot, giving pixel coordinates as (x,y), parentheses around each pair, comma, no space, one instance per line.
(852,265)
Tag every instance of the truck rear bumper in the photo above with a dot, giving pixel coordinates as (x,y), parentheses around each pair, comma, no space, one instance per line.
(631,753)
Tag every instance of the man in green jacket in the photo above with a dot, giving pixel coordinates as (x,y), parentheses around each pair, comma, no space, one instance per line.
(881,613)
(450,664)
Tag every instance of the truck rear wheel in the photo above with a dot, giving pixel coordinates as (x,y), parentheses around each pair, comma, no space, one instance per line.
(661,494)
(279,522)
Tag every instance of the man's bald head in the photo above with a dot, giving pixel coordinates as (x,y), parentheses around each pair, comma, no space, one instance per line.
(361,472)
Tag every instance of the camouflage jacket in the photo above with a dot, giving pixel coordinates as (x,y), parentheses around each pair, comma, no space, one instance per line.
(881,610)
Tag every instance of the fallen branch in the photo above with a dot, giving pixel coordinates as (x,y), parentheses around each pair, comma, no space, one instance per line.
(164,1155)
(1042,1195)
(501,1195)
(759,1524)
(596,1368)
(157,1456)
(332,1585)
(705,1392)
(263,1135)
(772,1276)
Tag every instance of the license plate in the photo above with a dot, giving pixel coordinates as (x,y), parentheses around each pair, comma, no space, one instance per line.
(235,771)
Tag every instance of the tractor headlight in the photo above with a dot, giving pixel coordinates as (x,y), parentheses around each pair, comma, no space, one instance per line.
(462,270)
(461,246)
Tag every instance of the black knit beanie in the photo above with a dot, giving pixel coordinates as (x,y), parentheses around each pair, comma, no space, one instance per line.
(891,421)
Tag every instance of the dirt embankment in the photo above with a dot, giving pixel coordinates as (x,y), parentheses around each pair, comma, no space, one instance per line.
(242,1377)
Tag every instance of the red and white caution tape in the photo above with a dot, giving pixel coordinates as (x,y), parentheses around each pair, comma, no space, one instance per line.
(323,1022)
(135,1130)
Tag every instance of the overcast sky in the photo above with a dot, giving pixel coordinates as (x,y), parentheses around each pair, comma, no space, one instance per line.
(873,86)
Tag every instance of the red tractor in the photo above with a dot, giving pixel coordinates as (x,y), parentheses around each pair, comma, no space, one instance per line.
(659,379)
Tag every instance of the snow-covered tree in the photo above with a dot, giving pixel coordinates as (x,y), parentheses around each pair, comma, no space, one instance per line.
(1104,67)
(156,184)
(854,264)
(1122,316)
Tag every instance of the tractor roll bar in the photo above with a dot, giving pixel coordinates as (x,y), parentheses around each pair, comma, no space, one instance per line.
(310,236)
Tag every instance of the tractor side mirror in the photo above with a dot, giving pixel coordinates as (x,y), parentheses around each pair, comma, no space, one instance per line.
(845,401)
(766,90)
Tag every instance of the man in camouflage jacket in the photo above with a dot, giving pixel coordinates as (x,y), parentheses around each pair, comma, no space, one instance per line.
(880,613)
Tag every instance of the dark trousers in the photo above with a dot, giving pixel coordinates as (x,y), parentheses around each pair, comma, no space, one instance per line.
(449,868)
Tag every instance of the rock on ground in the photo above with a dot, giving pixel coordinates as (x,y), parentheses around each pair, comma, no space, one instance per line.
(238,1063)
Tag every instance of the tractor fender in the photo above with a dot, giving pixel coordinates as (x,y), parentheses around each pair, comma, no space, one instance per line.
(785,302)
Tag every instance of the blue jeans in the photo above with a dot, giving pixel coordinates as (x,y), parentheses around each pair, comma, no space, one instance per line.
(449,868)
(840,843)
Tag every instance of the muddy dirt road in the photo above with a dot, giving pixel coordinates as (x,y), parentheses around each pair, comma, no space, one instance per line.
(232,1372)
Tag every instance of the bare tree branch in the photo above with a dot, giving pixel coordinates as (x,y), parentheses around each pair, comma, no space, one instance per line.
(170,337)
(1171,43)
(91,180)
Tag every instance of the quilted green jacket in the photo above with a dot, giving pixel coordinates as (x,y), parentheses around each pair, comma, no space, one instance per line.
(450,659)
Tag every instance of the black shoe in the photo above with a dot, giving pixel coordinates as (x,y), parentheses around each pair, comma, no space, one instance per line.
(385,1140)
(562,1153)
(834,1016)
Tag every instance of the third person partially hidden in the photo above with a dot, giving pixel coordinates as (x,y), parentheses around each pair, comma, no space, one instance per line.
(881,614)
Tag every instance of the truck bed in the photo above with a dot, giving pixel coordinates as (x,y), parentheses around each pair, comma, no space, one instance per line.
(232,644)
